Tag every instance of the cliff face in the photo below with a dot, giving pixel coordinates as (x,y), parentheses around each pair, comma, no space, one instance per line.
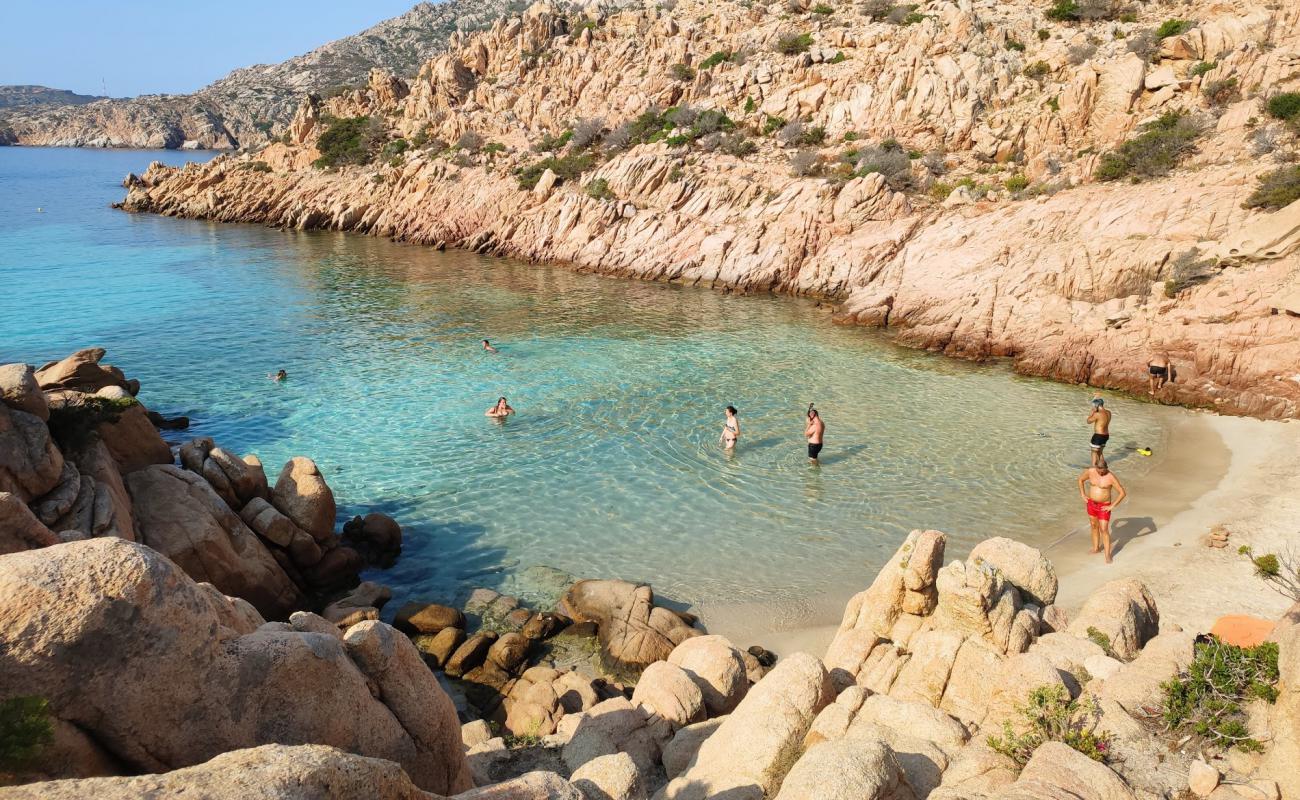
(933,173)
(252,104)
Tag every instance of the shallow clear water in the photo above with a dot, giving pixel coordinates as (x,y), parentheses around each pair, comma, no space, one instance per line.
(612,467)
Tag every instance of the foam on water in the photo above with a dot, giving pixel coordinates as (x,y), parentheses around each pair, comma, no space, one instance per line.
(612,467)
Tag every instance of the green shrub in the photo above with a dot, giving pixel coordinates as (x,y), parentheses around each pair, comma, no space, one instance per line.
(1173,27)
(823,9)
(1100,639)
(1154,152)
(24,731)
(940,190)
(838,58)
(1285,106)
(1016,183)
(1276,189)
(793,43)
(565,168)
(1201,67)
(582,25)
(256,166)
(1221,92)
(750,105)
(1044,34)
(716,59)
(681,72)
(851,136)
(1036,70)
(1188,270)
(1054,103)
(1015,44)
(1128,16)
(350,140)
(737,145)
(773,124)
(1051,716)
(599,189)
(1205,699)
(1063,11)
(913,18)
(1280,573)
(72,423)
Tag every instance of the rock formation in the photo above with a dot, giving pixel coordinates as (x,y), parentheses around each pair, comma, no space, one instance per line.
(1007,115)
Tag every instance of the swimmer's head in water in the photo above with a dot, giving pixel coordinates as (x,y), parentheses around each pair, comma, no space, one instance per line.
(501,402)
(732,410)
(281,374)
(485,343)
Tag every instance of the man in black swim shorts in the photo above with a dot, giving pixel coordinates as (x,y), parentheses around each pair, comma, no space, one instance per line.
(1100,421)
(1158,372)
(814,430)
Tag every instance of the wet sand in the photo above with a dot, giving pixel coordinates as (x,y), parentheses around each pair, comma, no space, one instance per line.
(1241,473)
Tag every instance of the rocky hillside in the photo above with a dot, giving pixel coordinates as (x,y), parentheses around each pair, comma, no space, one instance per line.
(29,96)
(252,104)
(1071,185)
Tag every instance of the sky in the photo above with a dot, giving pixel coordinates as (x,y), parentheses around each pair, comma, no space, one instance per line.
(148,46)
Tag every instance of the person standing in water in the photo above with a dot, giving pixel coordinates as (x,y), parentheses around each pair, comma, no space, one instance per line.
(1157,372)
(1099,419)
(499,411)
(730,429)
(487,346)
(1097,497)
(814,431)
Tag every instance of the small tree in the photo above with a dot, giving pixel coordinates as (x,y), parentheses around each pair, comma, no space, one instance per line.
(1050,715)
(1280,572)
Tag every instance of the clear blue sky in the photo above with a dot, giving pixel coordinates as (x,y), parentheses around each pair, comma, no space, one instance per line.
(147,46)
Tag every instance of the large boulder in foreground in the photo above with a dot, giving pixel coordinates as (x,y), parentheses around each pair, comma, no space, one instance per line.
(749,754)
(634,632)
(1122,610)
(179,515)
(82,372)
(269,772)
(1056,770)
(162,673)
(717,668)
(847,769)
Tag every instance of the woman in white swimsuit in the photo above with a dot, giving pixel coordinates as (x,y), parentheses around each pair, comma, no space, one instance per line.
(730,429)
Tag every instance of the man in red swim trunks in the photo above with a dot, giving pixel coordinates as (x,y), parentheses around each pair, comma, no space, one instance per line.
(1101,483)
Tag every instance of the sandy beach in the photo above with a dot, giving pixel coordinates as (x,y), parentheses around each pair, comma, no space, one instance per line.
(1210,470)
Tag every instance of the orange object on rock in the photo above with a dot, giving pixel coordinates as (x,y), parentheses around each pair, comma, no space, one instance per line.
(1242,630)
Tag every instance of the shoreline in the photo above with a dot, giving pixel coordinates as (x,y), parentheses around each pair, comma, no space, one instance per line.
(1213,470)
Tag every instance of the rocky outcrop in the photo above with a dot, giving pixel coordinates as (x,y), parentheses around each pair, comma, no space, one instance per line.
(634,632)
(180,515)
(1073,280)
(161,672)
(269,772)
(251,104)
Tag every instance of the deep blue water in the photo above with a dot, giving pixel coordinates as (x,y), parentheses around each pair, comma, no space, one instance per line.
(610,469)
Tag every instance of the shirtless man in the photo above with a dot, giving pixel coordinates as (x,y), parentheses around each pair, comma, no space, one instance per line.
(814,432)
(1099,419)
(1158,372)
(487,346)
(1097,496)
(499,411)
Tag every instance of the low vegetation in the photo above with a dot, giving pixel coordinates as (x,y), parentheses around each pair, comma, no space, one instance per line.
(1161,145)
(1188,269)
(715,59)
(1221,92)
(566,168)
(1201,67)
(793,43)
(349,141)
(1276,189)
(681,72)
(599,189)
(72,423)
(256,166)
(1206,699)
(1174,27)
(24,731)
(1051,716)
(888,159)
(1083,10)
(1285,107)
(1282,573)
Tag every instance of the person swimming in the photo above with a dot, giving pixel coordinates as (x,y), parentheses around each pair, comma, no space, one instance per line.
(487,346)
(499,411)
(278,376)
(730,429)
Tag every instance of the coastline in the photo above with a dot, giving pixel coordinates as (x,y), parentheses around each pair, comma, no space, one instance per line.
(1213,469)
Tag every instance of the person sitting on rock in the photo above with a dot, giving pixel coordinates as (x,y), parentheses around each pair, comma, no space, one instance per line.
(501,410)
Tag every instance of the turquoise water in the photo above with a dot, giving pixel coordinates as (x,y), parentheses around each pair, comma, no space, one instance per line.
(611,468)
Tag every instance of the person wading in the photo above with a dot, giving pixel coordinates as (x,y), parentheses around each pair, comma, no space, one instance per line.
(730,429)
(1101,483)
(1099,419)
(814,431)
